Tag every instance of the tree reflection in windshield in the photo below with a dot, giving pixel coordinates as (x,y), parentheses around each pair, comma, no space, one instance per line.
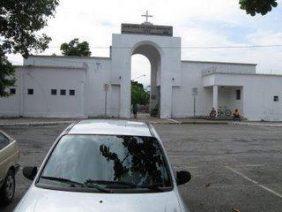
(121,162)
(146,160)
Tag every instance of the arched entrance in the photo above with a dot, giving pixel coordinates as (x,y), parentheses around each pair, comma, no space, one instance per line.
(165,69)
(151,52)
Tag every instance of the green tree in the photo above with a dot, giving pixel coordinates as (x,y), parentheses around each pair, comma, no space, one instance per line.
(138,94)
(254,7)
(20,21)
(75,48)
(7,75)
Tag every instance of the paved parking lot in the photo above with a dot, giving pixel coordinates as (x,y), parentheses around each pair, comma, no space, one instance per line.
(234,168)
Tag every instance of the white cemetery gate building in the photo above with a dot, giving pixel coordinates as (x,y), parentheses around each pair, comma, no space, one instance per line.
(65,86)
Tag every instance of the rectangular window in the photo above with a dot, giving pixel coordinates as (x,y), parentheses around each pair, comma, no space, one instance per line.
(30,91)
(54,92)
(71,92)
(276,98)
(63,92)
(12,91)
(238,94)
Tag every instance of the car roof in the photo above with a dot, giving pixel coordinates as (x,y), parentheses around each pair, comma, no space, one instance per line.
(6,135)
(110,127)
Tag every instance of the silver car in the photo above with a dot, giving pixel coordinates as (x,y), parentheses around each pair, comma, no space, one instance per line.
(105,165)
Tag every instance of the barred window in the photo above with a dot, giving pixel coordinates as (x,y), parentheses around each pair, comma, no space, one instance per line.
(54,92)
(71,92)
(63,92)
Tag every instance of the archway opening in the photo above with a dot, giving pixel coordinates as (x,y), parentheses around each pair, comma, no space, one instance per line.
(145,86)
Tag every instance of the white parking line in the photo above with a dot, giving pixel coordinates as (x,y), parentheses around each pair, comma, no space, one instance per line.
(175,121)
(253,165)
(254,182)
(250,165)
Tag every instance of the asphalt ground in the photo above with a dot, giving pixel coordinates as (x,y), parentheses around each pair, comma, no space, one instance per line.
(234,168)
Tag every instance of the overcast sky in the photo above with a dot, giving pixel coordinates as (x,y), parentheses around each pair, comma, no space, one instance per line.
(197,22)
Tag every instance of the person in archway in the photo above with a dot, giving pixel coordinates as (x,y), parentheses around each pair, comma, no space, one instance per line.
(134,110)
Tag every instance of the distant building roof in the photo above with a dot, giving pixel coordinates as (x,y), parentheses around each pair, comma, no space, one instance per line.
(76,57)
(231,63)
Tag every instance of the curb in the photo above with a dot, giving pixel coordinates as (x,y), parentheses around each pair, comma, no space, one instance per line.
(190,122)
(169,121)
(204,122)
(256,124)
(36,123)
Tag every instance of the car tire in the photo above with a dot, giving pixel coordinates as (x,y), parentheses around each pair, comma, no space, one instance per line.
(7,191)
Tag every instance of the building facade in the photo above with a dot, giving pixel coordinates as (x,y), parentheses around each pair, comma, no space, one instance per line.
(66,86)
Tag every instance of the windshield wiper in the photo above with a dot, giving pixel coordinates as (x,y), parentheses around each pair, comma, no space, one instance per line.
(73,183)
(117,184)
(64,180)
(155,187)
(121,184)
(93,184)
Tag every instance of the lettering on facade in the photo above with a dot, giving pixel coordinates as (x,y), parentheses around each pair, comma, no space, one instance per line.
(147,29)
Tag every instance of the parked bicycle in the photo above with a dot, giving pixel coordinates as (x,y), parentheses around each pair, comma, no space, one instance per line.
(224,112)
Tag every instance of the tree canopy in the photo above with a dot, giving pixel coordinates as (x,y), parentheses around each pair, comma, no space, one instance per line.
(7,77)
(75,48)
(20,21)
(254,7)
(138,94)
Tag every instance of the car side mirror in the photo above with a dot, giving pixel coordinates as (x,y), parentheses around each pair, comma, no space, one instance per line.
(182,177)
(29,172)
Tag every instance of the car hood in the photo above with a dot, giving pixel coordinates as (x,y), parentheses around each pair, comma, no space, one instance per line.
(38,200)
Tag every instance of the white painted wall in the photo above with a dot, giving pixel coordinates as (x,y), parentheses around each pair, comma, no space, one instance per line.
(183,101)
(256,99)
(191,75)
(96,75)
(257,95)
(227,98)
(115,100)
(42,103)
(222,67)
(88,75)
(10,106)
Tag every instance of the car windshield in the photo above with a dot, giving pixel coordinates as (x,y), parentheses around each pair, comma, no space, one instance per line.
(107,163)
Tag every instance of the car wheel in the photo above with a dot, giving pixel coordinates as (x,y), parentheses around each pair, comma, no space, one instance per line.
(8,189)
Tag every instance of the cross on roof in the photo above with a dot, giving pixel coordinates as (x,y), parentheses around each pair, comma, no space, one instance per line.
(147,16)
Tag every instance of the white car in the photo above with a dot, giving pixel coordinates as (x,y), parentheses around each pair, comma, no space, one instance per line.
(105,165)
